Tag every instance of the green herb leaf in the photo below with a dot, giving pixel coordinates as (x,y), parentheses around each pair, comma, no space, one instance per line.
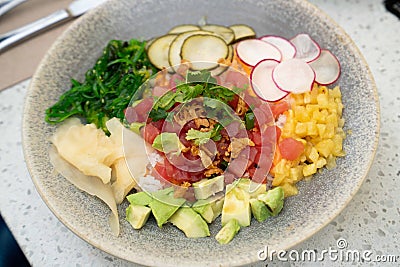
(200,138)
(249,120)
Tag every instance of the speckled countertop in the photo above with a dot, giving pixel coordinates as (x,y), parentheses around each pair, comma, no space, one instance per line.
(370,222)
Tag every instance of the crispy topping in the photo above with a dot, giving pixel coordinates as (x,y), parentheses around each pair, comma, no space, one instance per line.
(201,122)
(241,107)
(210,172)
(238,144)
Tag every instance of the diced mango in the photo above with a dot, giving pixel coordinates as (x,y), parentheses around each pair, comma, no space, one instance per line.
(312,129)
(289,189)
(296,173)
(323,100)
(321,162)
(330,131)
(315,120)
(301,129)
(321,129)
(330,162)
(313,155)
(335,92)
(301,114)
(332,118)
(309,169)
(298,99)
(325,147)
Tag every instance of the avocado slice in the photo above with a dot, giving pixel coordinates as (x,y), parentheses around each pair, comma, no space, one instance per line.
(273,199)
(205,207)
(137,215)
(140,198)
(259,210)
(236,206)
(228,232)
(164,205)
(190,222)
(206,188)
(217,208)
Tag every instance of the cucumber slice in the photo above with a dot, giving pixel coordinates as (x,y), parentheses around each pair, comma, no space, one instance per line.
(204,51)
(149,42)
(158,51)
(242,32)
(226,33)
(174,56)
(184,28)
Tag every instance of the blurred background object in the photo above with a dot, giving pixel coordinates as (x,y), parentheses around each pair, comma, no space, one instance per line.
(393,6)
(22,60)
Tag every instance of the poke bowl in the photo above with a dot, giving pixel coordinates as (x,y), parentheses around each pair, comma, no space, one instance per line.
(318,183)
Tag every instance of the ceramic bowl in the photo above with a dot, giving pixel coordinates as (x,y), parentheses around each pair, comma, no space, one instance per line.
(318,201)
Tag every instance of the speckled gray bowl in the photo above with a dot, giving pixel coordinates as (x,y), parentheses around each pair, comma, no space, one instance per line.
(318,202)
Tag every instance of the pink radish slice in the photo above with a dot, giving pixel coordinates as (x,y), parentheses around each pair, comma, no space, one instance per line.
(252,51)
(294,76)
(326,68)
(285,46)
(306,48)
(262,82)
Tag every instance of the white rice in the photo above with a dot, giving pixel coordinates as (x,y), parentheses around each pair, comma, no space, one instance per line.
(149,183)
(280,122)
(154,158)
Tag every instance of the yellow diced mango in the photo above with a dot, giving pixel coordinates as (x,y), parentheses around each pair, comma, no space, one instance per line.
(307,98)
(312,129)
(321,129)
(338,145)
(310,108)
(325,147)
(340,108)
(330,162)
(296,173)
(301,114)
(332,119)
(282,168)
(301,129)
(298,99)
(289,190)
(313,155)
(335,92)
(309,169)
(321,162)
(288,129)
(323,100)
(278,179)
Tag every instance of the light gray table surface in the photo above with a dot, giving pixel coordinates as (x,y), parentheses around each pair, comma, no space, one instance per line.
(371,222)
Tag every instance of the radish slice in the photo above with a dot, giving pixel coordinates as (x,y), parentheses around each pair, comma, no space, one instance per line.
(285,46)
(326,68)
(262,82)
(294,76)
(252,51)
(306,48)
